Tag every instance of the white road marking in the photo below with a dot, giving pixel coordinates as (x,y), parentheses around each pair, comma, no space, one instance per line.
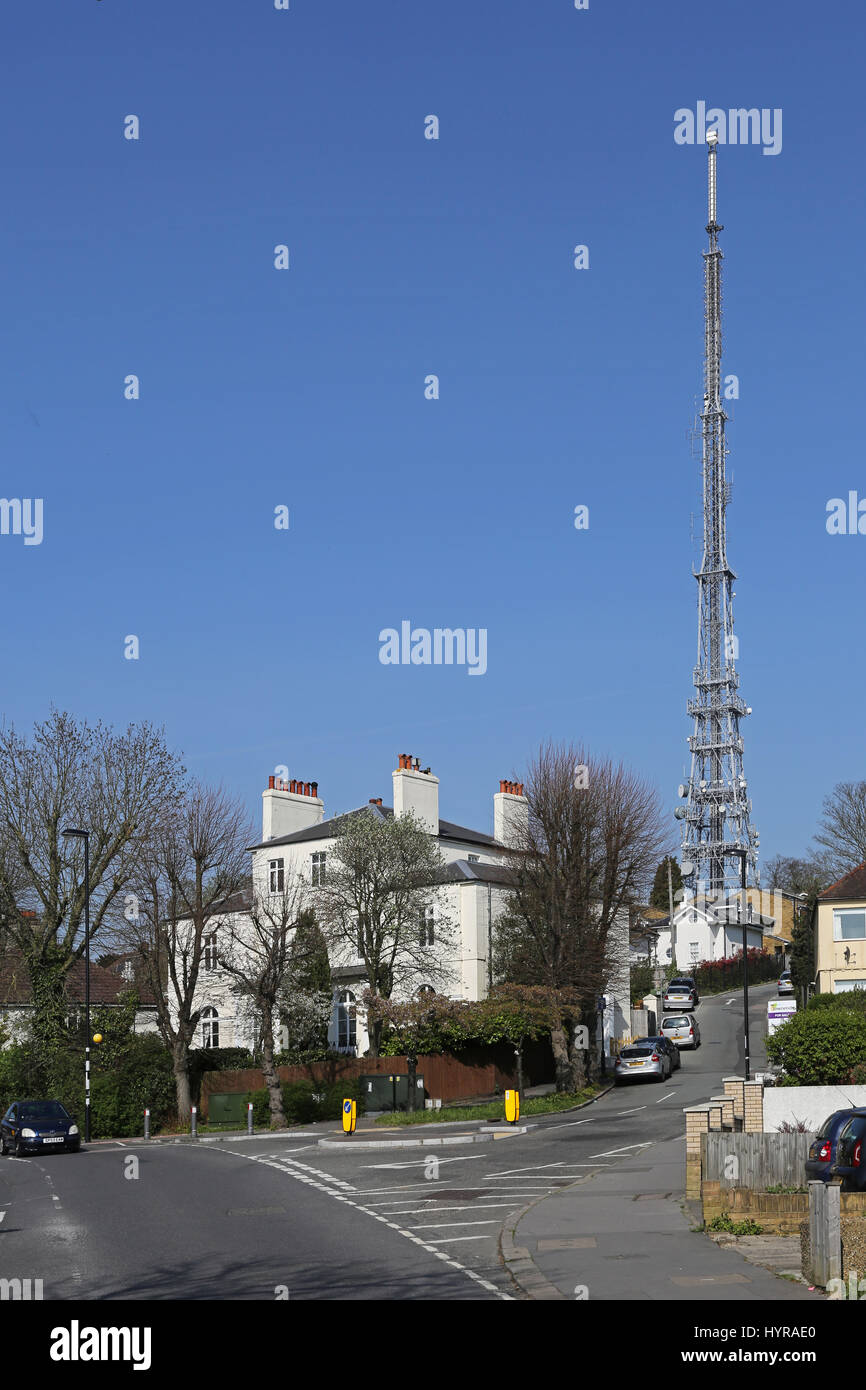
(450,1240)
(530,1168)
(291,1171)
(664,1098)
(438,1225)
(2,1214)
(571,1124)
(628,1112)
(609,1153)
(422,1162)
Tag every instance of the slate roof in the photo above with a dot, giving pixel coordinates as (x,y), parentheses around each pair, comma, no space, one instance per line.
(851,886)
(328,829)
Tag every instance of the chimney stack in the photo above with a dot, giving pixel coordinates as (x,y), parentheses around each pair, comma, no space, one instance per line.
(289,806)
(417,792)
(510,814)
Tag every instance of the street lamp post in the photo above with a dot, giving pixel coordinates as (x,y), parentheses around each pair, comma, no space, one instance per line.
(84,835)
(741,855)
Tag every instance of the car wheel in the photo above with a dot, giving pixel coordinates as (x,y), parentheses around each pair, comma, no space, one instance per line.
(16,1149)
(4,1147)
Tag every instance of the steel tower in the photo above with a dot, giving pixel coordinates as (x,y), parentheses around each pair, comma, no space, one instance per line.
(717,808)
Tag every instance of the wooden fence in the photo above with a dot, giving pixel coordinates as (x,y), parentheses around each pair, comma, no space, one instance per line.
(756,1161)
(475,1073)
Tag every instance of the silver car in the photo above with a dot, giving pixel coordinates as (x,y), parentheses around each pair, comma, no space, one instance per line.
(680,994)
(681,1029)
(641,1062)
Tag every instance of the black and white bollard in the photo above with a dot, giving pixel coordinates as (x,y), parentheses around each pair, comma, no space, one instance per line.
(249,1117)
(194,1127)
(147,1124)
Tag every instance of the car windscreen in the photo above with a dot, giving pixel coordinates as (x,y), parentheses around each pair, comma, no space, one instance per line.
(47,1110)
(637,1051)
(683,1022)
(679,984)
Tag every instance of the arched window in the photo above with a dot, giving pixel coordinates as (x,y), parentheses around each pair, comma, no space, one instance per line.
(426,989)
(210,1028)
(347,1030)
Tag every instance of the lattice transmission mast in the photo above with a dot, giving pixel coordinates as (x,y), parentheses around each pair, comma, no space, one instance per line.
(716,814)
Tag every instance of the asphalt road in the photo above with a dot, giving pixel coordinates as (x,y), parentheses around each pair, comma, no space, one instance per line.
(266,1218)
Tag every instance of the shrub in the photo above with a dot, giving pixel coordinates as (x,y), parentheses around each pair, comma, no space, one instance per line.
(725,1222)
(853,999)
(304,1103)
(820,1047)
(642,981)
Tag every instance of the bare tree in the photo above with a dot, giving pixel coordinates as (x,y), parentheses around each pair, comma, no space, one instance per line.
(594,837)
(796,876)
(195,861)
(841,839)
(379,890)
(71,774)
(255,949)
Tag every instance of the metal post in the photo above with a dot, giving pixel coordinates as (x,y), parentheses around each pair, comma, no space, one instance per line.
(249,1117)
(411,1064)
(87,987)
(194,1126)
(745,968)
(147,1124)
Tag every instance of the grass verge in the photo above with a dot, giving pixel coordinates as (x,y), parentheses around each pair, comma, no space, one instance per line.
(495,1110)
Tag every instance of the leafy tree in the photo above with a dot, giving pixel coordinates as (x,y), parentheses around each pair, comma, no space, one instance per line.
(659,896)
(380,884)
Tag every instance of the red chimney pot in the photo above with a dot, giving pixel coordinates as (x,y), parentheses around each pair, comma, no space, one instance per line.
(270,783)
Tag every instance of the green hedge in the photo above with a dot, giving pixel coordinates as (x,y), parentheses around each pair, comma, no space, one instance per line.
(141,1076)
(819,1047)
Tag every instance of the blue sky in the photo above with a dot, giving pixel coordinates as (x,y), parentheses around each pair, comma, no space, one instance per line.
(305,387)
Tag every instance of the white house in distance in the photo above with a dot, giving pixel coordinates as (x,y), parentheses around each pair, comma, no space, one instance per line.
(472,892)
(704,928)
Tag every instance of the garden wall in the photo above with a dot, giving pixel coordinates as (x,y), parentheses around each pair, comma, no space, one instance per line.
(811,1104)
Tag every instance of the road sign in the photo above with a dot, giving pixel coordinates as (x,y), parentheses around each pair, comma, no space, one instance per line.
(512,1106)
(778,1012)
(350,1110)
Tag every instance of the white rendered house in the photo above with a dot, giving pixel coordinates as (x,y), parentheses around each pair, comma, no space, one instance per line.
(471,893)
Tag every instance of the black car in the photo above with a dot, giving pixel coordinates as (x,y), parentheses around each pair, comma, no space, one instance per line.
(822,1151)
(39,1126)
(663,1044)
(850,1159)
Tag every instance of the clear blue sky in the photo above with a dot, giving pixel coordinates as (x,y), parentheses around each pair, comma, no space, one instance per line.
(559,387)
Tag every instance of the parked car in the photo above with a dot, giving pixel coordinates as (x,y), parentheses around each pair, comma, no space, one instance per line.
(641,1061)
(666,1045)
(850,1160)
(39,1125)
(822,1151)
(786,984)
(681,993)
(682,1030)
(690,979)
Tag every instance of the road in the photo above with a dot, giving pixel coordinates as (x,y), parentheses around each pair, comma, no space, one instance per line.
(263,1218)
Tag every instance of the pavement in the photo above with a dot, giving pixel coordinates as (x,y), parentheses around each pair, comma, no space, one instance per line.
(626,1234)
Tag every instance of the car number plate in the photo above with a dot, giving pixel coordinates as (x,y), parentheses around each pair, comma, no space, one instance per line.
(58,1140)
(635,1064)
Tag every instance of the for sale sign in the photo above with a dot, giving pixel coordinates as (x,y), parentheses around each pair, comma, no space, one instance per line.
(778,1012)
